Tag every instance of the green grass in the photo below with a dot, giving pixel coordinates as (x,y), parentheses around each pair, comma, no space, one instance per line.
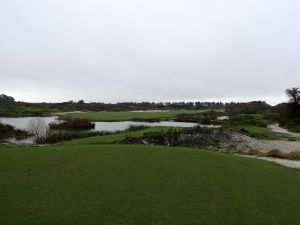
(124,184)
(18,111)
(117,137)
(127,116)
(254,129)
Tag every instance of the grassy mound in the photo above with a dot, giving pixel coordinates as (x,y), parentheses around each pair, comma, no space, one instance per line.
(118,184)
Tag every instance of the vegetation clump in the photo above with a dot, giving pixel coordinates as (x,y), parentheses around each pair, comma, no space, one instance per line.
(136,127)
(197,137)
(294,155)
(209,117)
(148,120)
(59,136)
(254,152)
(248,108)
(275,153)
(81,124)
(8,131)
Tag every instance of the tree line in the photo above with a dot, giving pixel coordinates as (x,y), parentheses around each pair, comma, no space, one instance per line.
(121,106)
(9,103)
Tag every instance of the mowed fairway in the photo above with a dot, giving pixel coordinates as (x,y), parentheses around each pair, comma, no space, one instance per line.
(127,116)
(124,184)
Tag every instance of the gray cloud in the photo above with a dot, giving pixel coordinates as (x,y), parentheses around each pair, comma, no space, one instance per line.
(57,50)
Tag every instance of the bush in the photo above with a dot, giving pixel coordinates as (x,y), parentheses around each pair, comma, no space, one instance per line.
(292,139)
(247,119)
(275,153)
(254,152)
(73,125)
(8,131)
(259,135)
(5,128)
(294,155)
(149,120)
(243,130)
(136,127)
(59,136)
(261,123)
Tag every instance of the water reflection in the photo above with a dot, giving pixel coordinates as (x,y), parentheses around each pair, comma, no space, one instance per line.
(22,123)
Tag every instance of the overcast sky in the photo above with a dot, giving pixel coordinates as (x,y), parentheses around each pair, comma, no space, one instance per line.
(156,50)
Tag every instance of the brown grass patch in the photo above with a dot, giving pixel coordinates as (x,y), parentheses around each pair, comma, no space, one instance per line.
(239,152)
(294,155)
(275,153)
(254,152)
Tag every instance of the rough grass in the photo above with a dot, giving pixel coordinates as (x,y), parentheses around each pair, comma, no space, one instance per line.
(254,129)
(127,116)
(117,184)
(117,137)
(16,111)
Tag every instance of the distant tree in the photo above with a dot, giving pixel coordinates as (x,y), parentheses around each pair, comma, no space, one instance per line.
(6,99)
(80,102)
(294,95)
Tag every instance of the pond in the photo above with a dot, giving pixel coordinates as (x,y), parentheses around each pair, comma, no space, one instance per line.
(22,123)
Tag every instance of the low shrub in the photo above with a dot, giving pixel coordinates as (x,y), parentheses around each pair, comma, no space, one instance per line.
(259,135)
(254,152)
(73,125)
(8,131)
(292,124)
(292,139)
(275,153)
(243,130)
(294,155)
(149,120)
(261,123)
(239,152)
(247,119)
(136,127)
(59,136)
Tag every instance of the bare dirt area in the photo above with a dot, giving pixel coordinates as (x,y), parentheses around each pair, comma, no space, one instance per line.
(265,146)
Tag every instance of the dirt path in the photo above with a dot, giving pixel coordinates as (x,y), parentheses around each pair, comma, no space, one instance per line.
(277,129)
